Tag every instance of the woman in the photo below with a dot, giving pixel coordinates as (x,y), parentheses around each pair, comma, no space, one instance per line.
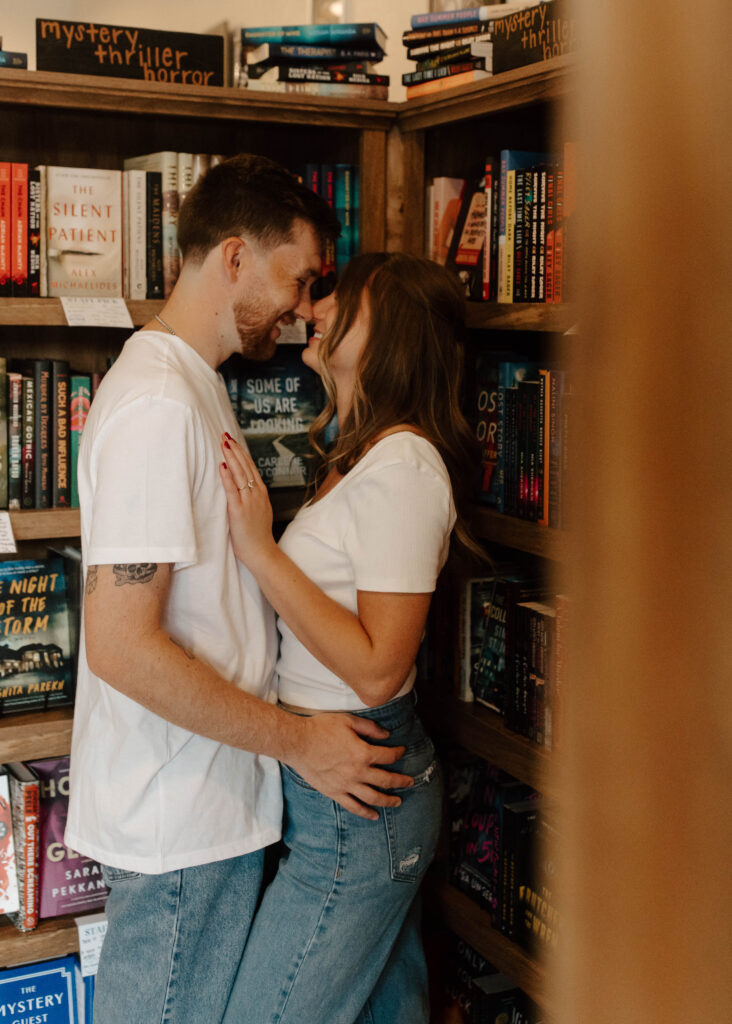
(337,937)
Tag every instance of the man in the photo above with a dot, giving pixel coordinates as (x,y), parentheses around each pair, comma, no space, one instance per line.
(174,784)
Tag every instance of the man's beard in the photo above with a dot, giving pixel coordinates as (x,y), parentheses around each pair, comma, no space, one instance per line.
(254,327)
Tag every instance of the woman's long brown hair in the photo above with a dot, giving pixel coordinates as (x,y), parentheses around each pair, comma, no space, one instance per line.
(410,370)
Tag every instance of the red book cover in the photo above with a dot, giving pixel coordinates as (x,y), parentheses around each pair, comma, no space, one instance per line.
(6,279)
(24,796)
(8,877)
(19,229)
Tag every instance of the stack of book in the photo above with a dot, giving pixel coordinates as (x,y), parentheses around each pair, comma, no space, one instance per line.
(474,992)
(89,231)
(453,48)
(319,60)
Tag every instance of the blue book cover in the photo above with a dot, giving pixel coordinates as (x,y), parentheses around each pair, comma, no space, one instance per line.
(278,402)
(8,59)
(349,34)
(509,374)
(35,637)
(345,212)
(44,992)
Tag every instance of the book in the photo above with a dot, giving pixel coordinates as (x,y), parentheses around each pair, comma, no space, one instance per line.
(11,59)
(450,82)
(6,271)
(35,202)
(80,400)
(43,448)
(281,53)
(509,375)
(540,918)
(60,441)
(9,901)
(35,645)
(465,254)
(511,161)
(346,212)
(41,993)
(352,89)
(15,438)
(185,176)
(19,228)
(334,34)
(494,998)
(490,256)
(4,471)
(164,163)
(520,822)
(27,435)
(88,48)
(154,235)
(446,201)
(315,73)
(69,883)
(444,50)
(24,803)
(477,599)
(278,401)
(484,12)
(135,235)
(446,69)
(451,31)
(463,966)
(83,231)
(488,680)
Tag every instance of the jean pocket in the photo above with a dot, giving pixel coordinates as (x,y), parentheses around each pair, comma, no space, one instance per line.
(110,874)
(412,829)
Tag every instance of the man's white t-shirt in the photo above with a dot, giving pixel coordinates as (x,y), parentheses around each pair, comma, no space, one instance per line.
(147,795)
(385,526)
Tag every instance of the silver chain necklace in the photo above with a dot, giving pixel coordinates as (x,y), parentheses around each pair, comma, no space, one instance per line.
(167,327)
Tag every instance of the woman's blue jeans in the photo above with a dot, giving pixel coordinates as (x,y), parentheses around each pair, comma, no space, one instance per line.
(337,937)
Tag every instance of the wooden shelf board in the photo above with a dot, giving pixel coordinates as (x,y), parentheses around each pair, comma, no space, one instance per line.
(39,524)
(35,734)
(50,312)
(520,316)
(484,732)
(131,96)
(469,921)
(497,528)
(536,83)
(57,936)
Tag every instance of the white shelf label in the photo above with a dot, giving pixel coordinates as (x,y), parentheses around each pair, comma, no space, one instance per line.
(83,312)
(92,929)
(7,540)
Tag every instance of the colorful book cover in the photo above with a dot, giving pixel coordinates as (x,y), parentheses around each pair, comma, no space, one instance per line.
(35,646)
(465,254)
(43,444)
(278,402)
(60,481)
(446,200)
(27,453)
(477,598)
(84,231)
(10,59)
(15,438)
(511,161)
(35,202)
(345,212)
(336,34)
(3,432)
(19,228)
(24,804)
(42,993)
(9,901)
(69,883)
(164,163)
(6,272)
(78,411)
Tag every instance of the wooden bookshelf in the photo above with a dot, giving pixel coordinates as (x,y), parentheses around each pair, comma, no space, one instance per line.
(50,312)
(57,936)
(511,532)
(35,734)
(530,316)
(469,921)
(50,523)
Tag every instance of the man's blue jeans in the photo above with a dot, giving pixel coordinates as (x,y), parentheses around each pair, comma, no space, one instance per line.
(336,939)
(174,942)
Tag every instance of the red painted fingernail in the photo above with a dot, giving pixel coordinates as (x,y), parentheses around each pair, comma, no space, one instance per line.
(227,434)
(224,465)
(226,444)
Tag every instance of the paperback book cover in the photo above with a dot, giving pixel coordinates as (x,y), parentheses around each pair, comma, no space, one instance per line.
(42,993)
(69,883)
(35,646)
(24,804)
(278,402)
(8,875)
(84,231)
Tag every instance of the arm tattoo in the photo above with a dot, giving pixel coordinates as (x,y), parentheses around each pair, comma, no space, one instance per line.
(189,654)
(91,579)
(143,572)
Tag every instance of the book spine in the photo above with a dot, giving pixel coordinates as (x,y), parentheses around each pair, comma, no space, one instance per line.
(19,228)
(154,235)
(543,448)
(518,237)
(27,482)
(15,433)
(136,221)
(44,236)
(327,192)
(6,272)
(502,227)
(171,265)
(501,451)
(185,176)
(42,441)
(534,268)
(457,67)
(437,18)
(528,226)
(3,433)
(24,798)
(79,410)
(34,232)
(344,246)
(549,265)
(541,269)
(363,33)
(60,484)
(352,91)
(556,383)
(558,235)
(451,82)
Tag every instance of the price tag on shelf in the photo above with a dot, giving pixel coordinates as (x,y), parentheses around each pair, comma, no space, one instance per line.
(92,929)
(83,312)
(7,540)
